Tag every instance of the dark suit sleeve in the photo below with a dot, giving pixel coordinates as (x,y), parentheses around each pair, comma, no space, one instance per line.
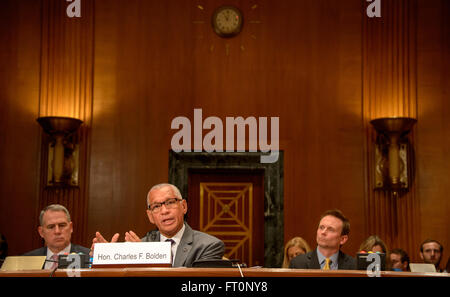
(214,250)
(151,236)
(37,252)
(298,262)
(79,249)
(350,264)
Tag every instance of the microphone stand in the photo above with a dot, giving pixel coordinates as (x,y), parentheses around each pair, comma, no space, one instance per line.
(54,269)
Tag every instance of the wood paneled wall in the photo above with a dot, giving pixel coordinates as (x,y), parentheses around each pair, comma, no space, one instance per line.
(323,68)
(67,54)
(292,66)
(20,24)
(432,131)
(66,88)
(390,90)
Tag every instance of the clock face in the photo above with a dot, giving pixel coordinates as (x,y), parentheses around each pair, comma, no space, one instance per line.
(227,21)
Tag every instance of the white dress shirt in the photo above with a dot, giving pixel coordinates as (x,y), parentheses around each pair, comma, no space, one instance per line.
(177,238)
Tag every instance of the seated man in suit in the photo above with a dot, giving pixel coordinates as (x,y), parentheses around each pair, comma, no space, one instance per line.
(56,229)
(332,233)
(166,210)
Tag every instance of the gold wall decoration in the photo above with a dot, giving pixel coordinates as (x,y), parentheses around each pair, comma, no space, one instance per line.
(226,211)
(63,150)
(204,34)
(391,153)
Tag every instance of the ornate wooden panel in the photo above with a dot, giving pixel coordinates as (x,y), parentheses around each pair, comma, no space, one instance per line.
(226,211)
(189,170)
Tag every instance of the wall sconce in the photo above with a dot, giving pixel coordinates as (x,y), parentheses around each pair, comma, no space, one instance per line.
(391,153)
(63,150)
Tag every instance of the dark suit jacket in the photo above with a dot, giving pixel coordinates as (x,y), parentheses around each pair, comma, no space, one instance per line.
(74,248)
(194,245)
(311,261)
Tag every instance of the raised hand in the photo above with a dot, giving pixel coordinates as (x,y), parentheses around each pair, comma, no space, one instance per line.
(132,237)
(100,239)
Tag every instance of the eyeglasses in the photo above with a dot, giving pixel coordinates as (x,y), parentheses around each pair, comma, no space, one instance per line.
(169,203)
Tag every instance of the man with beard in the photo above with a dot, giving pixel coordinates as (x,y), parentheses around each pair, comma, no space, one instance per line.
(431,252)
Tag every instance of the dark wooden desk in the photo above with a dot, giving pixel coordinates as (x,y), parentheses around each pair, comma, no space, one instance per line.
(213,272)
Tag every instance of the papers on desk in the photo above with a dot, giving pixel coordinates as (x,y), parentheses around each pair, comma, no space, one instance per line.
(14,263)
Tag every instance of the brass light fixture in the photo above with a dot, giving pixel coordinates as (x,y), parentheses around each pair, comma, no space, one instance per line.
(63,161)
(391,153)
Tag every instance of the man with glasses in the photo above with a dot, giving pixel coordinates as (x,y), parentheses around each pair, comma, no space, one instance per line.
(166,210)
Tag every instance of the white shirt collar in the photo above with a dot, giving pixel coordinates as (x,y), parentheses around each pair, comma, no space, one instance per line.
(66,250)
(177,237)
(49,264)
(333,258)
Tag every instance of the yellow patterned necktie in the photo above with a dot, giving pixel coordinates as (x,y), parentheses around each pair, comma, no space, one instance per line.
(327,264)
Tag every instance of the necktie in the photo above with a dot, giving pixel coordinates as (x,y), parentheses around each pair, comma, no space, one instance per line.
(327,264)
(172,243)
(54,258)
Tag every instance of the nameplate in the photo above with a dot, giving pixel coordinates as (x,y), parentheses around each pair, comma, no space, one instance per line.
(121,254)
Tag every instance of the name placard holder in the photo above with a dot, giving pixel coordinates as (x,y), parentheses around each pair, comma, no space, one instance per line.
(132,254)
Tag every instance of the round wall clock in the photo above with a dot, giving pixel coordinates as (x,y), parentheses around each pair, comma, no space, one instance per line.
(227,21)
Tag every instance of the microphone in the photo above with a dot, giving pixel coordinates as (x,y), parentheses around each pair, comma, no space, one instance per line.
(51,261)
(363,262)
(54,269)
(64,262)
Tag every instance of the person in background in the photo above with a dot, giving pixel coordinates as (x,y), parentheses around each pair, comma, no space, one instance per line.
(373,244)
(332,234)
(399,260)
(56,227)
(293,248)
(431,251)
